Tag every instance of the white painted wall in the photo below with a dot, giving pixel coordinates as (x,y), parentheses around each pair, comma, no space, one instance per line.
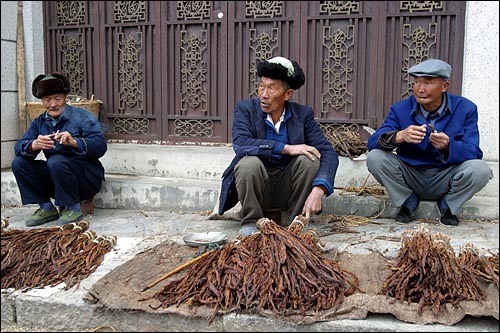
(480,82)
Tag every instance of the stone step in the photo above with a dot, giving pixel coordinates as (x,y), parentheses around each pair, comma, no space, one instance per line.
(188,178)
(194,195)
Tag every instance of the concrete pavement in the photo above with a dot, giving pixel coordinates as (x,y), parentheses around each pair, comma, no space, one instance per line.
(158,193)
(137,230)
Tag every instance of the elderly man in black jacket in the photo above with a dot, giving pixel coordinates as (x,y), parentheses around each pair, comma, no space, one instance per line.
(283,159)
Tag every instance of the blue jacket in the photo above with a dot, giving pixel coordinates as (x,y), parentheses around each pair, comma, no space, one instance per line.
(459,122)
(249,139)
(82,125)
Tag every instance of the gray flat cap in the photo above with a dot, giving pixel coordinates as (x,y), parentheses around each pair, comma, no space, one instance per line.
(431,67)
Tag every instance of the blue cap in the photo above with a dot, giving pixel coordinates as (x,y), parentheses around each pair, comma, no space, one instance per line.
(431,67)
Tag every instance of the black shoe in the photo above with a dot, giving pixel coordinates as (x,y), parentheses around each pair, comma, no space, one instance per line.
(405,215)
(447,218)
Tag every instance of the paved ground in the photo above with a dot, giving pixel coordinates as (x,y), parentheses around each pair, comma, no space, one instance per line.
(137,230)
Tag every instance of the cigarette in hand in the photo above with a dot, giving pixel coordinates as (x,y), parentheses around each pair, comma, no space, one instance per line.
(53,136)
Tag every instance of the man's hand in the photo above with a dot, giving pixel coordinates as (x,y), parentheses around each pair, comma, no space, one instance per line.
(439,140)
(43,142)
(303,149)
(65,138)
(313,202)
(411,134)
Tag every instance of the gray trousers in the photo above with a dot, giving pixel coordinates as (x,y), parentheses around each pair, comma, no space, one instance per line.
(260,189)
(456,184)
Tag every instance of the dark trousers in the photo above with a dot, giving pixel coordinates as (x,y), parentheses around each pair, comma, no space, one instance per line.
(260,189)
(60,177)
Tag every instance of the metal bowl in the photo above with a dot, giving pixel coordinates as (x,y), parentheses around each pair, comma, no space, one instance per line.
(205,238)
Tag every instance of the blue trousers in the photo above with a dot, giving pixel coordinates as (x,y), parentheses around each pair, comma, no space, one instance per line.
(63,178)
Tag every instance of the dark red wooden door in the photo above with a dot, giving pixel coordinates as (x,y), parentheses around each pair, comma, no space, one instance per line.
(172,71)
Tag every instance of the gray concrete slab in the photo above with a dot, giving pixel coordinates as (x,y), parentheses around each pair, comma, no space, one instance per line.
(137,230)
(193,195)
(189,178)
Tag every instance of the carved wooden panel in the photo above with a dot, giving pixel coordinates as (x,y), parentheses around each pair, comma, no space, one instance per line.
(172,71)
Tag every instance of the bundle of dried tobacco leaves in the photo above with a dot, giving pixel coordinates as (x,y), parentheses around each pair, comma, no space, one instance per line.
(426,271)
(345,139)
(484,268)
(38,257)
(277,270)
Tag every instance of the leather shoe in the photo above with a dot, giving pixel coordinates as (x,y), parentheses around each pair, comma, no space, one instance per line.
(405,215)
(447,218)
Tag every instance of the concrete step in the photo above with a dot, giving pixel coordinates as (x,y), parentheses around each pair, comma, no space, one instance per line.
(188,178)
(209,162)
(194,195)
(61,310)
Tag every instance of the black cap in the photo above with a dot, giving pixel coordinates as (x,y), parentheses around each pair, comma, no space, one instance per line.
(280,68)
(53,83)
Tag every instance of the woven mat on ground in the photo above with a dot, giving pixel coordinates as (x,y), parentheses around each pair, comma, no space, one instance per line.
(122,289)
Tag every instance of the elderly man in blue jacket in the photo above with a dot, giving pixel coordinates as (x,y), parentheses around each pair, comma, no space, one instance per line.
(283,159)
(72,141)
(436,139)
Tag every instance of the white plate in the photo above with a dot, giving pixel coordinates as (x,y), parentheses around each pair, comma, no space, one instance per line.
(204,238)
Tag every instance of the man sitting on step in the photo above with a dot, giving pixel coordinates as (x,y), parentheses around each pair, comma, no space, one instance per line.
(283,159)
(72,141)
(436,140)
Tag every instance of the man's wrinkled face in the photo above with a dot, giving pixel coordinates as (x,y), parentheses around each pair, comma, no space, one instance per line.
(429,91)
(54,104)
(273,94)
